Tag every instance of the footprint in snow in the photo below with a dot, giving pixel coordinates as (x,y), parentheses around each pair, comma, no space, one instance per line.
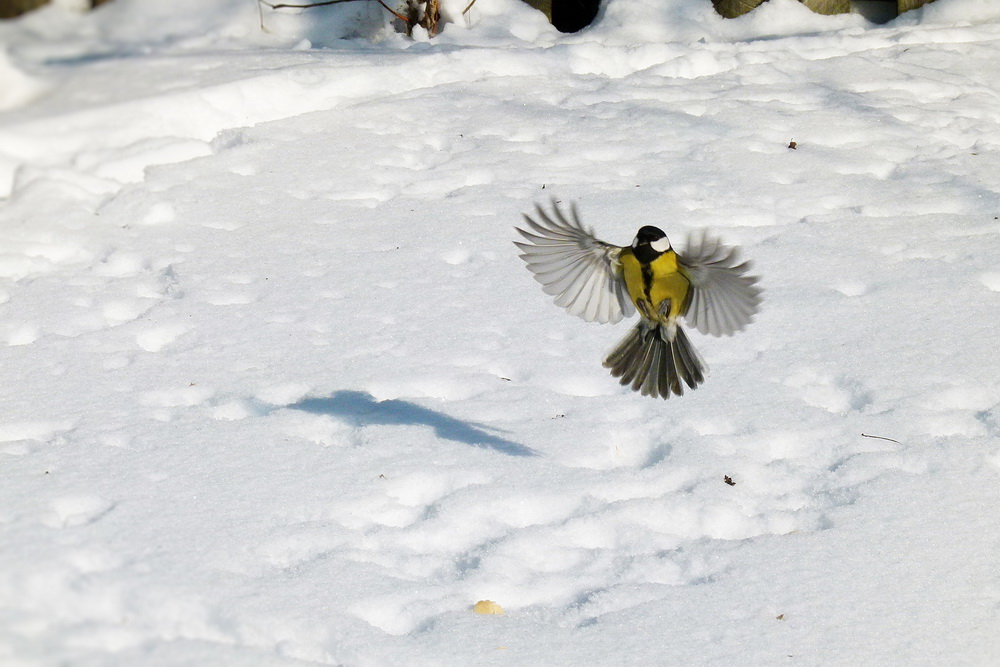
(834,394)
(17,432)
(20,334)
(962,410)
(73,511)
(156,338)
(991,281)
(852,288)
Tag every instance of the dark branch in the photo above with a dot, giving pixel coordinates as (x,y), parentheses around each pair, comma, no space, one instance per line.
(308,5)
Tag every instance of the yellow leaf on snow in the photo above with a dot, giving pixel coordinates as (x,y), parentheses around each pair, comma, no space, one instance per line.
(487,607)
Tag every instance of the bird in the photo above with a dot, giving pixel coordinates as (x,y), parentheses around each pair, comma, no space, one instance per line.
(707,285)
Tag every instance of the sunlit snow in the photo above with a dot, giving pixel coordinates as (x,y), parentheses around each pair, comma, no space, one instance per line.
(278,390)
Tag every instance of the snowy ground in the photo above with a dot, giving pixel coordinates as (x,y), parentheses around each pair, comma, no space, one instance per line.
(278,389)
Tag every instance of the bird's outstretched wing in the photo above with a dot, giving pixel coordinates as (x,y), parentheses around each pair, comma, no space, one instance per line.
(723,297)
(582,272)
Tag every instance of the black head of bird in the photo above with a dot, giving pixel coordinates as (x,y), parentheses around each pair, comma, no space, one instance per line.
(649,243)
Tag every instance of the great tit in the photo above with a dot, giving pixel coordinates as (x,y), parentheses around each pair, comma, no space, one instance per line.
(708,286)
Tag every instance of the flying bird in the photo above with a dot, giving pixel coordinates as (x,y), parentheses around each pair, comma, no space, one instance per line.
(707,285)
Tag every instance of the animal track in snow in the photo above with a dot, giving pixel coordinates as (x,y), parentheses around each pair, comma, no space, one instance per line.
(428,526)
(121,311)
(771,445)
(424,488)
(237,409)
(322,430)
(120,264)
(20,334)
(37,431)
(394,503)
(156,338)
(457,256)
(852,288)
(158,213)
(991,281)
(38,256)
(401,614)
(189,396)
(72,511)
(961,410)
(300,543)
(624,446)
(835,394)
(283,393)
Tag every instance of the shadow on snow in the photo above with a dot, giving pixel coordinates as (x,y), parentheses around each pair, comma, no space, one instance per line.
(360,408)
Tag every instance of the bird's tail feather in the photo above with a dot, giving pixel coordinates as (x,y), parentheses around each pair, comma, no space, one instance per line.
(656,363)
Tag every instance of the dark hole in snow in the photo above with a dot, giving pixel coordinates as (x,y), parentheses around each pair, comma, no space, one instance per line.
(574,15)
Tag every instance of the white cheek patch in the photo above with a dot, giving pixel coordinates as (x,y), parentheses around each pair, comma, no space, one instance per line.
(660,245)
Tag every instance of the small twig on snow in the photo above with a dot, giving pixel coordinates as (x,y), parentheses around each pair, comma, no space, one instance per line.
(879,437)
(393,12)
(308,5)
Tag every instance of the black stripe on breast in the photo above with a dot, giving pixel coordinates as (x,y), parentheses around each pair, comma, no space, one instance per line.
(647,282)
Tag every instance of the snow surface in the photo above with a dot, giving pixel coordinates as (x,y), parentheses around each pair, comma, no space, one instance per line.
(278,389)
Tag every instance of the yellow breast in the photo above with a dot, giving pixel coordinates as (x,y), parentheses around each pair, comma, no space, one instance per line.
(651,284)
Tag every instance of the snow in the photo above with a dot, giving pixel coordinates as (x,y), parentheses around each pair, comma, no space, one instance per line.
(279,390)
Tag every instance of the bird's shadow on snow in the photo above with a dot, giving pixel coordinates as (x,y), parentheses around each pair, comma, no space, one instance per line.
(360,408)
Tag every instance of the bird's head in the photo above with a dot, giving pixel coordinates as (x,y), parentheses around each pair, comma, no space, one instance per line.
(649,243)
